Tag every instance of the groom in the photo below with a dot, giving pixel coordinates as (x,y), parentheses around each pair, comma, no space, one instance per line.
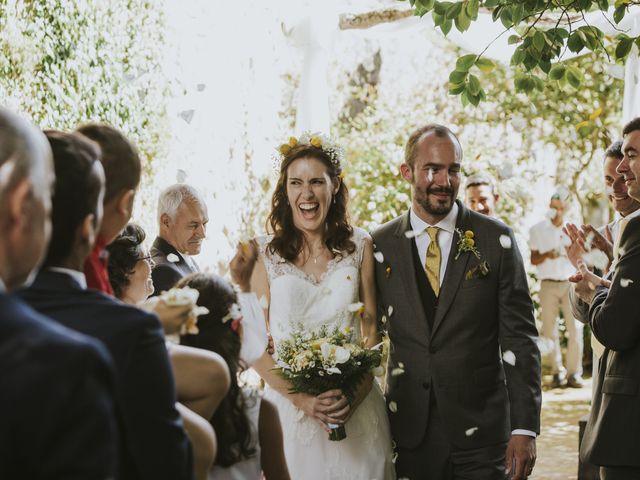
(452,286)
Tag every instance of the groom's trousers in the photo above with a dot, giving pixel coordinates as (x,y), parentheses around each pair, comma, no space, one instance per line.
(436,459)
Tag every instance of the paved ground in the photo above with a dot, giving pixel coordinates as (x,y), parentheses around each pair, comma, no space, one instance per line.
(558,441)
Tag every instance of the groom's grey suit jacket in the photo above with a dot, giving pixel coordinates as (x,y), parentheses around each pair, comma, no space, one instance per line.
(452,345)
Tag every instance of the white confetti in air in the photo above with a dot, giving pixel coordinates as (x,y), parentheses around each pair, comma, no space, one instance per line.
(551,213)
(505,241)
(592,286)
(354,307)
(187,115)
(596,258)
(393,406)
(565,240)
(173,258)
(378,256)
(625,282)
(200,87)
(470,431)
(401,365)
(390,310)
(588,241)
(181,176)
(430,175)
(383,319)
(413,233)
(608,190)
(393,460)
(509,357)
(545,344)
(397,372)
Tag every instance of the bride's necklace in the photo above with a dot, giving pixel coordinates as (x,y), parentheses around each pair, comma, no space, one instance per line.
(315,259)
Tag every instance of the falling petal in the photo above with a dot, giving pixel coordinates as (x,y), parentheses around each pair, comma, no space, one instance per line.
(187,115)
(401,365)
(470,431)
(200,87)
(588,241)
(566,241)
(509,357)
(378,371)
(264,303)
(383,319)
(608,190)
(396,372)
(379,257)
(551,213)
(354,307)
(596,258)
(414,233)
(390,310)
(394,458)
(505,241)
(393,406)
(430,175)
(624,282)
(545,345)
(181,176)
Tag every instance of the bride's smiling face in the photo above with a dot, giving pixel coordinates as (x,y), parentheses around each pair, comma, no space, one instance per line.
(310,191)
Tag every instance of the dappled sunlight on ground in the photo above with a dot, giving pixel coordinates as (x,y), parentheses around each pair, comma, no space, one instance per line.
(558,442)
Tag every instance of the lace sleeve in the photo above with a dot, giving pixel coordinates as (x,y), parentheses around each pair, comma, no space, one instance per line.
(263,242)
(359,237)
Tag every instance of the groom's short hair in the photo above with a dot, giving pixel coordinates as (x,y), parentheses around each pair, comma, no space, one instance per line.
(416,136)
(632,126)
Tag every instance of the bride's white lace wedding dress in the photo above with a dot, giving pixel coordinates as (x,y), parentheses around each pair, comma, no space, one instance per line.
(298,298)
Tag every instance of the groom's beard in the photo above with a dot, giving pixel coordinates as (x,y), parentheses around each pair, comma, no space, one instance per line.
(437,206)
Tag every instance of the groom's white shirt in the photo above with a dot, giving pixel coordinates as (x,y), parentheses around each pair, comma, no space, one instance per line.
(445,239)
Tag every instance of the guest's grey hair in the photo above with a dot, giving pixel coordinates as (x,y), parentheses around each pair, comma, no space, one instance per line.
(172,197)
(24,152)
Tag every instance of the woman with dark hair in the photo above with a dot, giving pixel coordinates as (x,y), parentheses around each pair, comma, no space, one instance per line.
(202,378)
(247,426)
(313,267)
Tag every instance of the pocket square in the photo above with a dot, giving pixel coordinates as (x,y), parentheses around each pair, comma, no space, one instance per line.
(479,271)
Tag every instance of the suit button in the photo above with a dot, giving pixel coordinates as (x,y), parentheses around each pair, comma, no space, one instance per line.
(432,349)
(425,385)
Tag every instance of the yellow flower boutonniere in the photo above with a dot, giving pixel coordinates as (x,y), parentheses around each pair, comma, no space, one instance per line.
(466,243)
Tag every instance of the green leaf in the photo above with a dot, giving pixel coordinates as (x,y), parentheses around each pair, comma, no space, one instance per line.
(441,8)
(463,21)
(446,26)
(517,12)
(491,3)
(603,5)
(518,56)
(544,65)
(574,76)
(624,47)
(437,18)
(575,43)
(464,63)
(538,40)
(505,18)
(464,98)
(557,71)
(454,10)
(485,65)
(495,15)
(513,39)
(456,77)
(457,90)
(474,99)
(473,85)
(619,12)
(472,9)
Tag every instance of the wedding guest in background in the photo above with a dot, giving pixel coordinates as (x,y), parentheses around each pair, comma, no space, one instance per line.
(547,244)
(480,194)
(202,377)
(122,167)
(247,425)
(182,225)
(604,239)
(155,443)
(610,439)
(58,413)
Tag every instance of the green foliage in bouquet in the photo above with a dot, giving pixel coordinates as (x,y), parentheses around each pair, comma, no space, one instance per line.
(315,362)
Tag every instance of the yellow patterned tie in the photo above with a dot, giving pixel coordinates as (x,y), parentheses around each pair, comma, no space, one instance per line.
(432,265)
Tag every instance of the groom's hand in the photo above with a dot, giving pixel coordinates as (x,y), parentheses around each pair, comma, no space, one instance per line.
(520,457)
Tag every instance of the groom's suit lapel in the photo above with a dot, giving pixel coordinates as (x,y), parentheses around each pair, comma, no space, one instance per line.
(454,275)
(405,254)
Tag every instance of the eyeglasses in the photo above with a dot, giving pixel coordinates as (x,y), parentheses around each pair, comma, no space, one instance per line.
(148,259)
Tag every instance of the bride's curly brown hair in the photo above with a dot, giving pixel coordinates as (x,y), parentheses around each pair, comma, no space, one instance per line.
(288,240)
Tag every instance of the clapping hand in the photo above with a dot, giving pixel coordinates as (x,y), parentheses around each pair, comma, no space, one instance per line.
(241,265)
(586,281)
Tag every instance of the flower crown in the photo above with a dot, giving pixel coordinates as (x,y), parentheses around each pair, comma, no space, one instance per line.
(316,140)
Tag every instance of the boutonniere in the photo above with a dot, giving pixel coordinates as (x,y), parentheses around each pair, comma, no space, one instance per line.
(479,271)
(466,243)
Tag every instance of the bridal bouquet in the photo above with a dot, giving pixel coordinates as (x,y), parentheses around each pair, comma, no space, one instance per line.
(314,362)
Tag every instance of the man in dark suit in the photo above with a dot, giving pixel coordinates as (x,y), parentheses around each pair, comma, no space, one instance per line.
(453,288)
(57,417)
(611,436)
(155,443)
(182,219)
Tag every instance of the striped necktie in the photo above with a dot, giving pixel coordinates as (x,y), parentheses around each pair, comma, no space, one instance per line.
(432,263)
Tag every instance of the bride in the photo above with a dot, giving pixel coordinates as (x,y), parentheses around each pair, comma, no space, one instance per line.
(311,269)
